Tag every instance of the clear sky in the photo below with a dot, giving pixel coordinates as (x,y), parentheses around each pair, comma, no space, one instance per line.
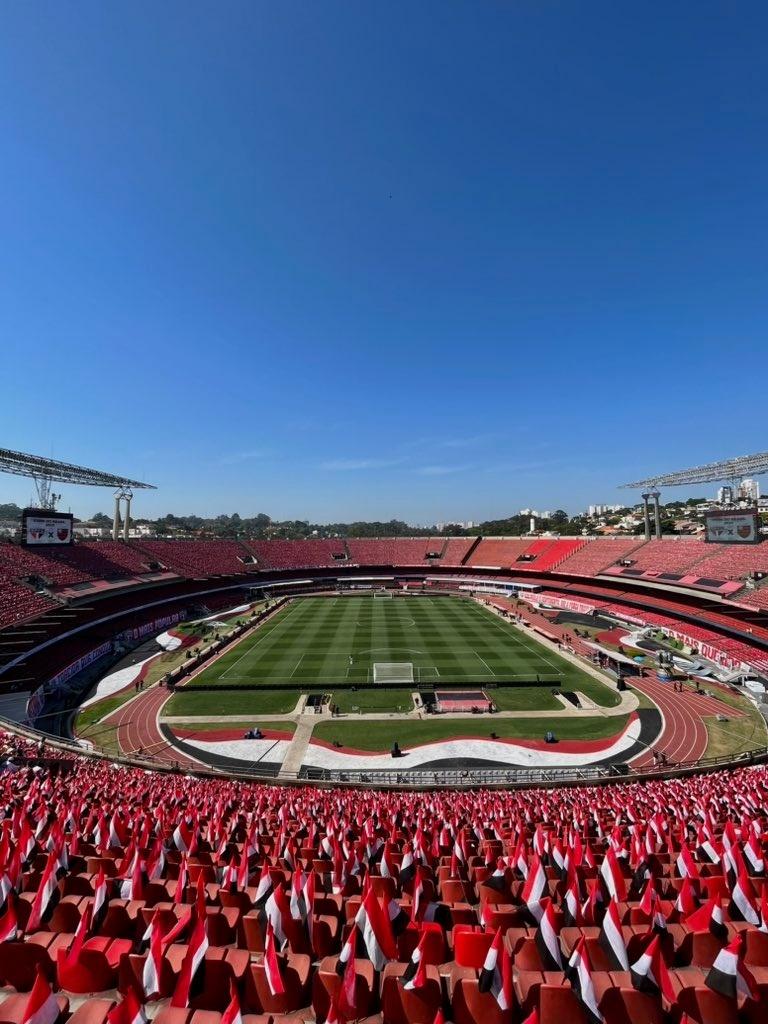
(425,260)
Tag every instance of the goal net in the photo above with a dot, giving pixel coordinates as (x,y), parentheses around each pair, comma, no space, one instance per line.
(382,594)
(393,672)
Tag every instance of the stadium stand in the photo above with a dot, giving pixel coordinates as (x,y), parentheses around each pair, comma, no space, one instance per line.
(641,902)
(297,554)
(499,552)
(456,550)
(198,558)
(18,603)
(597,555)
(22,562)
(548,554)
(675,555)
(755,598)
(389,551)
(732,561)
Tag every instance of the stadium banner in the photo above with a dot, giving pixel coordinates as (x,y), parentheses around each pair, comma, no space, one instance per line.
(737,527)
(40,527)
(78,666)
(36,701)
(138,632)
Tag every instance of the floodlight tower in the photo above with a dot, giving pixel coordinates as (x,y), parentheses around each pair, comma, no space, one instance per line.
(122,494)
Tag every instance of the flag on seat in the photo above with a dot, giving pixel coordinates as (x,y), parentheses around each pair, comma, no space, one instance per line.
(610,872)
(376,931)
(495,974)
(546,938)
(151,972)
(272,964)
(232,1013)
(649,973)
(708,918)
(744,900)
(9,923)
(42,1006)
(729,976)
(129,1011)
(192,973)
(612,939)
(345,968)
(46,896)
(579,973)
(686,902)
(534,888)
(415,974)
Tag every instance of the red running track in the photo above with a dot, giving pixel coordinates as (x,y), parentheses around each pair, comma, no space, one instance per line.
(139,733)
(684,735)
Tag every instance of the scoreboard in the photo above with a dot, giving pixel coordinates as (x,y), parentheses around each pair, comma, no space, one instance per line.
(39,527)
(741,526)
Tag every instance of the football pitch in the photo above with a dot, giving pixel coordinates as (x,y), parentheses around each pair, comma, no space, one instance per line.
(338,640)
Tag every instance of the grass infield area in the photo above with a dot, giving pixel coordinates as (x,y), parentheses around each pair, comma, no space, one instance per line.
(378,735)
(316,642)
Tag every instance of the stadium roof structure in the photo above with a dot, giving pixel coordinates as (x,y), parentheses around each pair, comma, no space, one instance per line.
(37,467)
(729,469)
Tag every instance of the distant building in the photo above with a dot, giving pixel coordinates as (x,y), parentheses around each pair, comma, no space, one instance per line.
(749,490)
(602,510)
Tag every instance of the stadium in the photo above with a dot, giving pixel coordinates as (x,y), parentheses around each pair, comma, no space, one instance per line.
(483,777)
(386,670)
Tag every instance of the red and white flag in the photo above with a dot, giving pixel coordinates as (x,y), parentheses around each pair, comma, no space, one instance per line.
(44,899)
(42,1006)
(546,938)
(612,939)
(193,966)
(686,902)
(129,1011)
(496,975)
(345,968)
(686,865)
(534,888)
(272,964)
(610,872)
(744,900)
(153,963)
(649,973)
(232,1014)
(708,918)
(9,922)
(579,974)
(376,931)
(729,976)
(415,974)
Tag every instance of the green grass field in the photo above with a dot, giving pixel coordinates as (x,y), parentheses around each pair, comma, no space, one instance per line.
(194,703)
(316,642)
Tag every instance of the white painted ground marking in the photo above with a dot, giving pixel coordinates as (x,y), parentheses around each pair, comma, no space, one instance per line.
(267,633)
(484,662)
(509,630)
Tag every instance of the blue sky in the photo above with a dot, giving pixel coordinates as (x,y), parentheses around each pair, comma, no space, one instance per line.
(420,260)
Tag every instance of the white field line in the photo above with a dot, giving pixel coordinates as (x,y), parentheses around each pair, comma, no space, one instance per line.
(297,666)
(513,631)
(484,662)
(267,633)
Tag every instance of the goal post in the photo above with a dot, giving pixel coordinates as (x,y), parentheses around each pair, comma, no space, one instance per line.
(383,595)
(385,672)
